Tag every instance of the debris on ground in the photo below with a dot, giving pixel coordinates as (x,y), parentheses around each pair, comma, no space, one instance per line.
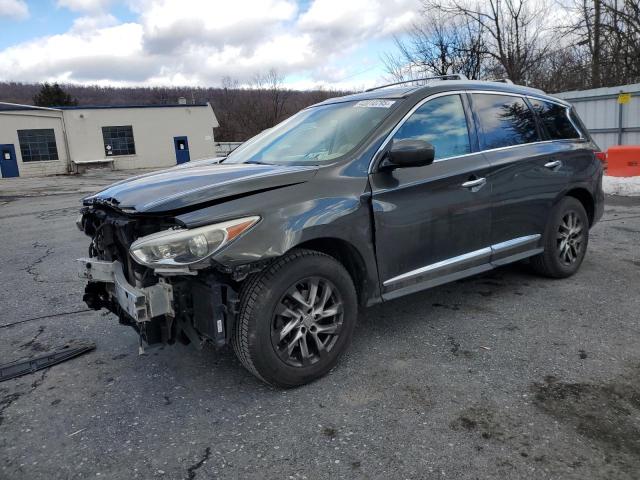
(30,365)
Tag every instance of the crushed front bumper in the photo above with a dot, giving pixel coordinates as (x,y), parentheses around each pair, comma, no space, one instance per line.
(141,304)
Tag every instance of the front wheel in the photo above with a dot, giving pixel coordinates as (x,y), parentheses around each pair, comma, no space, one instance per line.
(565,240)
(296,318)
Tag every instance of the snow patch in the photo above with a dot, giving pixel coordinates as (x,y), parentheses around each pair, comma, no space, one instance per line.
(625,186)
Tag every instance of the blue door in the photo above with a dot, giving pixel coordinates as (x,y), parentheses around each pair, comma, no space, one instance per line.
(182,149)
(8,162)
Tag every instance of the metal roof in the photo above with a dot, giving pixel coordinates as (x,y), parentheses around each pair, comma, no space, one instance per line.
(7,107)
(101,107)
(390,93)
(604,92)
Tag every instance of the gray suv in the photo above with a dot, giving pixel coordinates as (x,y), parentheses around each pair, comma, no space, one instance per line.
(357,200)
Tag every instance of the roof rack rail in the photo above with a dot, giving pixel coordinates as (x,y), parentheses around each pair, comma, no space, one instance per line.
(454,76)
(502,80)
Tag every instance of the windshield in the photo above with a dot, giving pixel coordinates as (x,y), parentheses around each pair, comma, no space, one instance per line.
(314,136)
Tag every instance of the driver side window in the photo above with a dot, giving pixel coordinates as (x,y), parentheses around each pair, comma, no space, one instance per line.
(442,123)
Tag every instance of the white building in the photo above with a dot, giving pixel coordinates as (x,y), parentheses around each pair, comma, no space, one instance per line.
(51,141)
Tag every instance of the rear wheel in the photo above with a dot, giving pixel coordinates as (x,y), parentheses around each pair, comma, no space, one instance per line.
(565,240)
(296,318)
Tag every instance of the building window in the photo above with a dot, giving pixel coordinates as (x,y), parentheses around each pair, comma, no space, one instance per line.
(38,145)
(118,140)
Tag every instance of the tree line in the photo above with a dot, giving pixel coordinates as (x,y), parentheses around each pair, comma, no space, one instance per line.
(559,46)
(242,110)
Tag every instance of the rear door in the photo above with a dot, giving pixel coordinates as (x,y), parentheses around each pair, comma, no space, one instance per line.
(432,223)
(525,175)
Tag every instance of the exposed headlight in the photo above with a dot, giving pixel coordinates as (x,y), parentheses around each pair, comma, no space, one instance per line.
(187,246)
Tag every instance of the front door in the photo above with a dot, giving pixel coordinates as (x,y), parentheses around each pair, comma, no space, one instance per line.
(432,223)
(182,149)
(8,162)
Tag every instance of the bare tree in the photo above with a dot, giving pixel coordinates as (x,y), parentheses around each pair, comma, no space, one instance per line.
(515,35)
(562,69)
(586,32)
(270,85)
(609,33)
(438,46)
(621,25)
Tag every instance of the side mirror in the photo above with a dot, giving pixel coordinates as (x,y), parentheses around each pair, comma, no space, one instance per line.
(409,153)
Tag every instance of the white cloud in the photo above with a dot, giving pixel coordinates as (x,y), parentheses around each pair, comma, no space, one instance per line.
(84,5)
(170,26)
(197,42)
(358,19)
(89,23)
(111,52)
(17,9)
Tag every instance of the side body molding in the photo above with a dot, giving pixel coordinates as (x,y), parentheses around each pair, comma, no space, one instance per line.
(461,266)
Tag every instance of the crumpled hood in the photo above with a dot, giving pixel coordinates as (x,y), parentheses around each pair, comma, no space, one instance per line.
(199,183)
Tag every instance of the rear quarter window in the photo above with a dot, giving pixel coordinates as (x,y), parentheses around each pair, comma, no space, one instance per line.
(555,119)
(504,121)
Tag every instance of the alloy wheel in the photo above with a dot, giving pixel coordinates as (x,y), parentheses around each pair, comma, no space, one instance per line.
(570,238)
(307,322)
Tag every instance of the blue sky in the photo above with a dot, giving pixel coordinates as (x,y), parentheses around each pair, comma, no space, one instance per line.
(312,43)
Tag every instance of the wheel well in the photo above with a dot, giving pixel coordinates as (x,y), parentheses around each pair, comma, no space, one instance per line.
(585,198)
(347,255)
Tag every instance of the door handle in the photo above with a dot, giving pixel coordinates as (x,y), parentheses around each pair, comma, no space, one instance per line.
(553,164)
(478,182)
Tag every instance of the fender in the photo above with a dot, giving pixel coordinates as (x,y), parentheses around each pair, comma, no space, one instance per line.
(331,207)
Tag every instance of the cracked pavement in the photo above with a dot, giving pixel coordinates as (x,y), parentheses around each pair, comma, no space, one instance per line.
(503,375)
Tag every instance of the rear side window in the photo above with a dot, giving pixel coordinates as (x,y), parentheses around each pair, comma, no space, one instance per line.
(504,121)
(555,119)
(441,122)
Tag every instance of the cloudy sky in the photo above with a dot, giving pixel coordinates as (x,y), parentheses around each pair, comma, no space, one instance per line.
(333,43)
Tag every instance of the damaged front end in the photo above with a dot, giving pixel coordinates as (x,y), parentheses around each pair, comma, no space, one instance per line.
(144,270)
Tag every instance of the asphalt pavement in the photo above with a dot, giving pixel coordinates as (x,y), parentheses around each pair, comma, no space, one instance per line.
(503,375)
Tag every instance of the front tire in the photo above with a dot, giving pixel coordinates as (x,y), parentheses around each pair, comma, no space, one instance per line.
(565,240)
(296,318)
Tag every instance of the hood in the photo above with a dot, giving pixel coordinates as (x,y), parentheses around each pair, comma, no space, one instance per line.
(200,183)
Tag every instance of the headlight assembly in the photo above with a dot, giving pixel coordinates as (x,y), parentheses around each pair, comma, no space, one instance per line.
(184,247)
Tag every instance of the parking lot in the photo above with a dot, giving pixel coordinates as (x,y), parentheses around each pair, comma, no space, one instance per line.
(504,375)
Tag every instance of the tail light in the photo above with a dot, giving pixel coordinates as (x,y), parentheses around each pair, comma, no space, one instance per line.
(602,156)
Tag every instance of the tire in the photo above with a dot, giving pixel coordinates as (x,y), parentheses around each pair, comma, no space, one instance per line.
(275,314)
(565,242)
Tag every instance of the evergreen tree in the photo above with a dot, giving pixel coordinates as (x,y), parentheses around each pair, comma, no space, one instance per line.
(53,96)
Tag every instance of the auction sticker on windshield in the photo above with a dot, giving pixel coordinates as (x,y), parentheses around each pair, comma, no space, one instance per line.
(374,103)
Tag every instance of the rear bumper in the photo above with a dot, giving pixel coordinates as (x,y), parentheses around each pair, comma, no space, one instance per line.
(141,304)
(598,207)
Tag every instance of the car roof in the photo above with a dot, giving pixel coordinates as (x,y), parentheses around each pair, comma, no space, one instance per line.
(386,93)
(439,86)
